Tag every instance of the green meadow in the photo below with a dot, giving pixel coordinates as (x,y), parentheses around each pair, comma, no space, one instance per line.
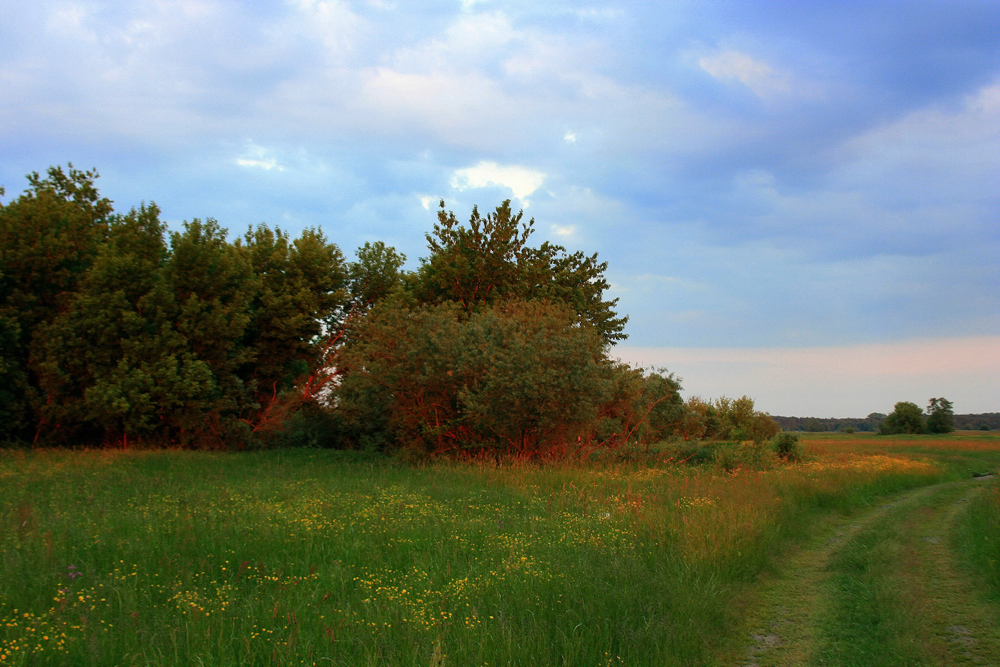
(320,557)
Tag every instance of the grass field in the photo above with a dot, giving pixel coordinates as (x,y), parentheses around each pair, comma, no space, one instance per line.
(318,558)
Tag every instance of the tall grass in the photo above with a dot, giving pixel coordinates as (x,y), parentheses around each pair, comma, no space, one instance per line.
(307,557)
(977,539)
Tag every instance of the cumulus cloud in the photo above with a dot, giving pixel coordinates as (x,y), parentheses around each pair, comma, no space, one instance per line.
(521,181)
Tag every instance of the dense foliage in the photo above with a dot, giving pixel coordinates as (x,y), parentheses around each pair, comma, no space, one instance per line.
(906,417)
(940,416)
(119,330)
(985,421)
(824,424)
(725,419)
(115,331)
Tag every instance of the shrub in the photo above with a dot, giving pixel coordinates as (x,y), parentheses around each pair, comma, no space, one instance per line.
(786,446)
(725,419)
(528,377)
(642,408)
(746,454)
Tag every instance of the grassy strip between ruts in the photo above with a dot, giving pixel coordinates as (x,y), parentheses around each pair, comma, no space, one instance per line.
(303,557)
(977,539)
(896,598)
(877,588)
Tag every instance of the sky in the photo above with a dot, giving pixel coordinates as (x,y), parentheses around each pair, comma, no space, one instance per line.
(797,201)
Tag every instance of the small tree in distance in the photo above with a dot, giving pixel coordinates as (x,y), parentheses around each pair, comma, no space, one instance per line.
(907,417)
(940,416)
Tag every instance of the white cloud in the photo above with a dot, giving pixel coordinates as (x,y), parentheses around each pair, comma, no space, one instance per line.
(563,230)
(755,74)
(426,201)
(468,41)
(935,147)
(258,157)
(263,164)
(520,180)
(466,109)
(570,137)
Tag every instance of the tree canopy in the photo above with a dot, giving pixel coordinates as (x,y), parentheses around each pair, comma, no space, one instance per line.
(940,416)
(49,236)
(489,262)
(906,417)
(115,329)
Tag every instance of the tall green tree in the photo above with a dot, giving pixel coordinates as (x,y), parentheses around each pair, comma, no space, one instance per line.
(401,377)
(13,379)
(491,343)
(150,344)
(489,261)
(196,341)
(299,292)
(95,358)
(208,286)
(940,416)
(536,378)
(374,275)
(49,236)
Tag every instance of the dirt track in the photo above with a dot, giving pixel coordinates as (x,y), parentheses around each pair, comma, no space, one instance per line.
(794,619)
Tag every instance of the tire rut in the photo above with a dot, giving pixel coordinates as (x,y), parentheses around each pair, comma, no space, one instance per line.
(784,626)
(955,626)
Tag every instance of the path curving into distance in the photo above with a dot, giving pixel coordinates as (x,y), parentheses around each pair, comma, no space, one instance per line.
(877,589)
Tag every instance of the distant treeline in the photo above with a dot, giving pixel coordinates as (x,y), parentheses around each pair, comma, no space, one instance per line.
(970,422)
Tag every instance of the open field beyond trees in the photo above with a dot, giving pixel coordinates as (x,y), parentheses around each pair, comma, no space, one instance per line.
(319,557)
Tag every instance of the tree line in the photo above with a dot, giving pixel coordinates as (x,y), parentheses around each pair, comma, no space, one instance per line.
(906,417)
(114,330)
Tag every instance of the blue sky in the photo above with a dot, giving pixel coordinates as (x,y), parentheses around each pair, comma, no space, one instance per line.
(781,189)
